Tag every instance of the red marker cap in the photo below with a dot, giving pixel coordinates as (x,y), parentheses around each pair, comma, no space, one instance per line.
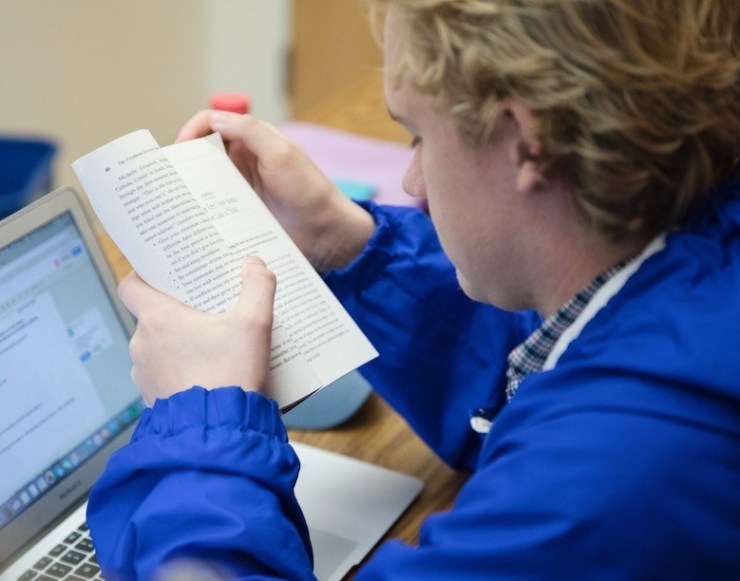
(234,102)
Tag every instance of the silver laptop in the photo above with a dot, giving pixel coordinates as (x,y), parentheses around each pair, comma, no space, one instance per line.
(67,402)
(66,397)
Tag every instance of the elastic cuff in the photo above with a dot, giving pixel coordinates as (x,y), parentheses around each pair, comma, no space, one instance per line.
(359,273)
(199,407)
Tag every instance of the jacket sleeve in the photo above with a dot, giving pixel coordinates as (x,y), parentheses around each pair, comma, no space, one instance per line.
(442,355)
(208,476)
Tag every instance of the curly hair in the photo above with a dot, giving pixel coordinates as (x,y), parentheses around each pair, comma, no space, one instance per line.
(637,100)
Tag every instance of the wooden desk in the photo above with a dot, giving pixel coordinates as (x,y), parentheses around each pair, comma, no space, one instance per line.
(359,108)
(376,433)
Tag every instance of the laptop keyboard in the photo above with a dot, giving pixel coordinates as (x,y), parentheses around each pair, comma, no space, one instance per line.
(72,560)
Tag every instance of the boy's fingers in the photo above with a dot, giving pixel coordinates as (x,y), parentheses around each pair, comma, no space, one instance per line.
(261,138)
(197,126)
(135,293)
(258,290)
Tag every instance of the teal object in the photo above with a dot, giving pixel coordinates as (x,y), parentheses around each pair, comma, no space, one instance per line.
(360,191)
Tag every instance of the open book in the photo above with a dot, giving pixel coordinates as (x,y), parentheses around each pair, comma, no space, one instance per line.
(185,218)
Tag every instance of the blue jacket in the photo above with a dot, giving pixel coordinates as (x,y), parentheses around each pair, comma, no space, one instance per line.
(623,461)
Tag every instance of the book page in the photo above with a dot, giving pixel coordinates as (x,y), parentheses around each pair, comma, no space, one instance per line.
(323,331)
(185,218)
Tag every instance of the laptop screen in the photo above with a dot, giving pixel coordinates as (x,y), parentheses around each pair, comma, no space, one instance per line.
(65,387)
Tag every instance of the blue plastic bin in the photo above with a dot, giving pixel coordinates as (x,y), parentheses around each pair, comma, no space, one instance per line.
(25,171)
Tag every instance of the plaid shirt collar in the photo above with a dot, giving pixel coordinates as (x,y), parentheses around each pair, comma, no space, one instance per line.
(531,355)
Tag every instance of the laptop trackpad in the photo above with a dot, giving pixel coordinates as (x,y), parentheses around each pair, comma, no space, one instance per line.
(348,505)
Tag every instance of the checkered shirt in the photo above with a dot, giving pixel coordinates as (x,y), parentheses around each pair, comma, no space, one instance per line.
(531,355)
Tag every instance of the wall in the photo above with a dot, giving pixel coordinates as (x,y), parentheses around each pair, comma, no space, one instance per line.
(86,71)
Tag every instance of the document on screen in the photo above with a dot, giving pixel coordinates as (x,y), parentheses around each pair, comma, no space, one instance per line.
(46,388)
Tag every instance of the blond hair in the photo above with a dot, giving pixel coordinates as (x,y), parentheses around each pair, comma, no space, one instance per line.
(637,100)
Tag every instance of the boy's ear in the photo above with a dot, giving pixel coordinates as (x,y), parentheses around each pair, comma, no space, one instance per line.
(528,147)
